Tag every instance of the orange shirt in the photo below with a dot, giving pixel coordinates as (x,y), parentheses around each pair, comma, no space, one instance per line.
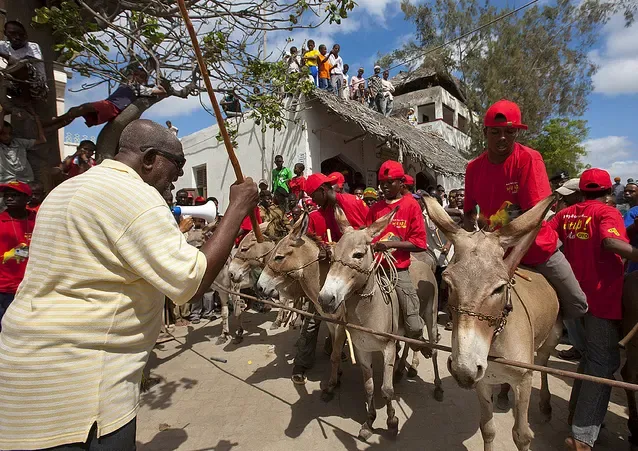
(324,68)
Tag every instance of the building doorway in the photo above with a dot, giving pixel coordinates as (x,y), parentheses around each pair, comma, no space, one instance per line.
(336,164)
(424,181)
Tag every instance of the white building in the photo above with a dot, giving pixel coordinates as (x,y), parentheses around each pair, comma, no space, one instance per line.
(326,134)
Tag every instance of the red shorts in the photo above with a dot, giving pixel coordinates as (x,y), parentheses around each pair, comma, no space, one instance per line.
(105,111)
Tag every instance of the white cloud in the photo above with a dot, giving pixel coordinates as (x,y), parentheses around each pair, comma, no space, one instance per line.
(616,154)
(376,7)
(618,60)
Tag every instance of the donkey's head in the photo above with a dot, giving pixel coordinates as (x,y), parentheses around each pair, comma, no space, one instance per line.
(249,260)
(352,261)
(293,258)
(479,284)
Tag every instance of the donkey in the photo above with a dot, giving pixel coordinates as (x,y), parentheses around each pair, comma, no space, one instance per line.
(248,262)
(352,282)
(493,313)
(296,267)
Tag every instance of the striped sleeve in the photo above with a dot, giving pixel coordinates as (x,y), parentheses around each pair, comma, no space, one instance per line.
(157,252)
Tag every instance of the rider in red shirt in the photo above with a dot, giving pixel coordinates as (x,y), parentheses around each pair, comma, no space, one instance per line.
(507,180)
(16,227)
(404,234)
(595,241)
(319,187)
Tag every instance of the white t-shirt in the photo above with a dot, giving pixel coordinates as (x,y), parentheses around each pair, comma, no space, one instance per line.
(388,89)
(174,130)
(337,65)
(345,89)
(13,160)
(30,50)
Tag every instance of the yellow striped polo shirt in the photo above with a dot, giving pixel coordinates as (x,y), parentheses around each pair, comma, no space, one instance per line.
(105,251)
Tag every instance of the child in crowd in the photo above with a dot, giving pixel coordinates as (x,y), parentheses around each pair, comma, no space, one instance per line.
(311,60)
(297,184)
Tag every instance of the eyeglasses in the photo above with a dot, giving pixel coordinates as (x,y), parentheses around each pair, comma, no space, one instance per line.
(178,161)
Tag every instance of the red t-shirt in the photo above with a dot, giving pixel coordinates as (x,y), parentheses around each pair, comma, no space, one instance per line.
(297,186)
(504,191)
(34,209)
(317,225)
(407,225)
(582,229)
(355,209)
(15,238)
(74,168)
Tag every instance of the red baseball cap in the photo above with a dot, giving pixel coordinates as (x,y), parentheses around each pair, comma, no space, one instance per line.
(16,186)
(595,179)
(200,199)
(409,180)
(337,178)
(391,170)
(314,181)
(509,110)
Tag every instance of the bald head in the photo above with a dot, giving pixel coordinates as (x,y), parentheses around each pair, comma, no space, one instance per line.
(146,133)
(153,152)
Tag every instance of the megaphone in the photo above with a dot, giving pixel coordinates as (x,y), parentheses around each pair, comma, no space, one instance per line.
(208,211)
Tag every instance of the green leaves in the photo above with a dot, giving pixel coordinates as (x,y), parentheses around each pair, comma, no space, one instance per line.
(560,143)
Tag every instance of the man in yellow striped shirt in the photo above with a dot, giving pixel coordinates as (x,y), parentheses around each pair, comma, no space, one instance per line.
(104,253)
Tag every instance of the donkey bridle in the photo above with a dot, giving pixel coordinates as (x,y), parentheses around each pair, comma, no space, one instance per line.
(498,322)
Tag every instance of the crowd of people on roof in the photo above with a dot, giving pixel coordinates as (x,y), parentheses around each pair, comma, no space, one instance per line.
(327,71)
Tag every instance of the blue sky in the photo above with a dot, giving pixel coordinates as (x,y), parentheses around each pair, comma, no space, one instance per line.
(377,26)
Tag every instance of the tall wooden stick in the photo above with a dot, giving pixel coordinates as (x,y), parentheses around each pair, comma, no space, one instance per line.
(218,114)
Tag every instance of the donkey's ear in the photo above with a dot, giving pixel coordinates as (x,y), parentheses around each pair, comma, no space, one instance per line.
(521,232)
(380,224)
(441,219)
(301,227)
(342,221)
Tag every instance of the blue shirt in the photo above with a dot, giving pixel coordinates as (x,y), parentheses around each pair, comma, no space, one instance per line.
(630,216)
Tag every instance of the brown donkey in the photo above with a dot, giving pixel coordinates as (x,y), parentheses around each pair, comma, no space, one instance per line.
(496,313)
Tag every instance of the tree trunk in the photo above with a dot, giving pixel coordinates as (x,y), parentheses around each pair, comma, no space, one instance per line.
(109,137)
(46,156)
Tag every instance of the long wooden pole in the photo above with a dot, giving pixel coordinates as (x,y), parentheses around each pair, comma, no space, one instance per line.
(421,344)
(218,114)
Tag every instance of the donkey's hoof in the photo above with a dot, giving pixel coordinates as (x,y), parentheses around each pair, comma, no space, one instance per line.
(276,325)
(327,395)
(393,426)
(412,372)
(438,394)
(426,352)
(365,432)
(222,339)
(238,339)
(502,403)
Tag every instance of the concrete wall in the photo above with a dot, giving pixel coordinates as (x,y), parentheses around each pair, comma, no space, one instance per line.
(439,96)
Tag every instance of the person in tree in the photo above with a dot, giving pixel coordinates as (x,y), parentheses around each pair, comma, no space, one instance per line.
(25,74)
(13,153)
(405,234)
(595,242)
(81,161)
(102,111)
(16,227)
(280,177)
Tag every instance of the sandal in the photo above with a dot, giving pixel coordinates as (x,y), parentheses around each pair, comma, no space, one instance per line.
(298,376)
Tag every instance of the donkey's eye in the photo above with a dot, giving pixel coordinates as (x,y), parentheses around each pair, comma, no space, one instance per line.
(244,249)
(498,290)
(358,255)
(279,258)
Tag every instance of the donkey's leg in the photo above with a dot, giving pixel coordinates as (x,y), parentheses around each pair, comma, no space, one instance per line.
(433,337)
(338,335)
(488,428)
(412,369)
(399,369)
(280,319)
(365,362)
(521,431)
(542,357)
(387,389)
(224,298)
